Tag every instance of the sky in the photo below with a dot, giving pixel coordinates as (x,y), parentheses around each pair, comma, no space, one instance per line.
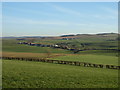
(58,18)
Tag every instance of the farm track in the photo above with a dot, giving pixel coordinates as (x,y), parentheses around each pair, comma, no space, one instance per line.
(84,64)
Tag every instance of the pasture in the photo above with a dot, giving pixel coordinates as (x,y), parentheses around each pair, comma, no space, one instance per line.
(10,45)
(97,59)
(26,74)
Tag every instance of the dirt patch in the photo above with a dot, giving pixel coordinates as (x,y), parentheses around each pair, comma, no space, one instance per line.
(19,54)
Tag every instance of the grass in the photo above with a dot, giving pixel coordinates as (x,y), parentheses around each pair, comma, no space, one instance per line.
(97,59)
(12,46)
(83,39)
(91,58)
(26,74)
(100,52)
(0,74)
(98,44)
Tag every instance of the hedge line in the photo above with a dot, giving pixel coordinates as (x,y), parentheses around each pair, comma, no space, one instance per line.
(63,62)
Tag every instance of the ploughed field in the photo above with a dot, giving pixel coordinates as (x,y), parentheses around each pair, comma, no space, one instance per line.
(26,74)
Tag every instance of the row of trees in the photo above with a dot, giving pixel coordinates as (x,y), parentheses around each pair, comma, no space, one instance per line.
(73,46)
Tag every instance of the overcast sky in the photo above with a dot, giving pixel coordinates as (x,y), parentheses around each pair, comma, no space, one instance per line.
(58,18)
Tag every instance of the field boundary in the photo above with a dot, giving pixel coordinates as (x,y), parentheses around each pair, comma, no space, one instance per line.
(75,63)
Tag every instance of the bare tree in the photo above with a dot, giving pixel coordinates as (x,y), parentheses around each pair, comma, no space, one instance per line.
(48,53)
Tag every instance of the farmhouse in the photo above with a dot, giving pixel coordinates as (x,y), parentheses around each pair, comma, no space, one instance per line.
(56,45)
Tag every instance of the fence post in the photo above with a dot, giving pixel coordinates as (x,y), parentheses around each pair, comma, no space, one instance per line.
(108,66)
(118,67)
(95,65)
(84,64)
(101,66)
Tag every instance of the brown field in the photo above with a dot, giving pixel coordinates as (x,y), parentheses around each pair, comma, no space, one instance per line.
(18,54)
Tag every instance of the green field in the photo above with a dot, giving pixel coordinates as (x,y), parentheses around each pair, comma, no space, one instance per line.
(0,74)
(91,56)
(10,45)
(98,59)
(25,74)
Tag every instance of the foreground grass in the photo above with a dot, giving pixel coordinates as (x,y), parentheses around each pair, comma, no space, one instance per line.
(26,74)
(97,59)
(0,74)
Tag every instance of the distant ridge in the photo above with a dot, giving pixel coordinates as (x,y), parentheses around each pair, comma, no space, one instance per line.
(105,33)
(87,34)
(69,35)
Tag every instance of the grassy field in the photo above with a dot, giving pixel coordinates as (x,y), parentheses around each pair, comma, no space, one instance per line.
(100,52)
(0,74)
(10,45)
(91,58)
(97,59)
(26,74)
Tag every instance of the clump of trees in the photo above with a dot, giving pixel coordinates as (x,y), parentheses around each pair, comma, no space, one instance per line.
(75,47)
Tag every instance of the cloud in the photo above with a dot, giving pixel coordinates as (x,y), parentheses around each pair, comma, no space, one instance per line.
(104,17)
(65,10)
(109,14)
(79,24)
(16,20)
(25,21)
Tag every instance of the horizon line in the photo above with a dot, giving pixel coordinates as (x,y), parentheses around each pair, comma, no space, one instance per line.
(61,34)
